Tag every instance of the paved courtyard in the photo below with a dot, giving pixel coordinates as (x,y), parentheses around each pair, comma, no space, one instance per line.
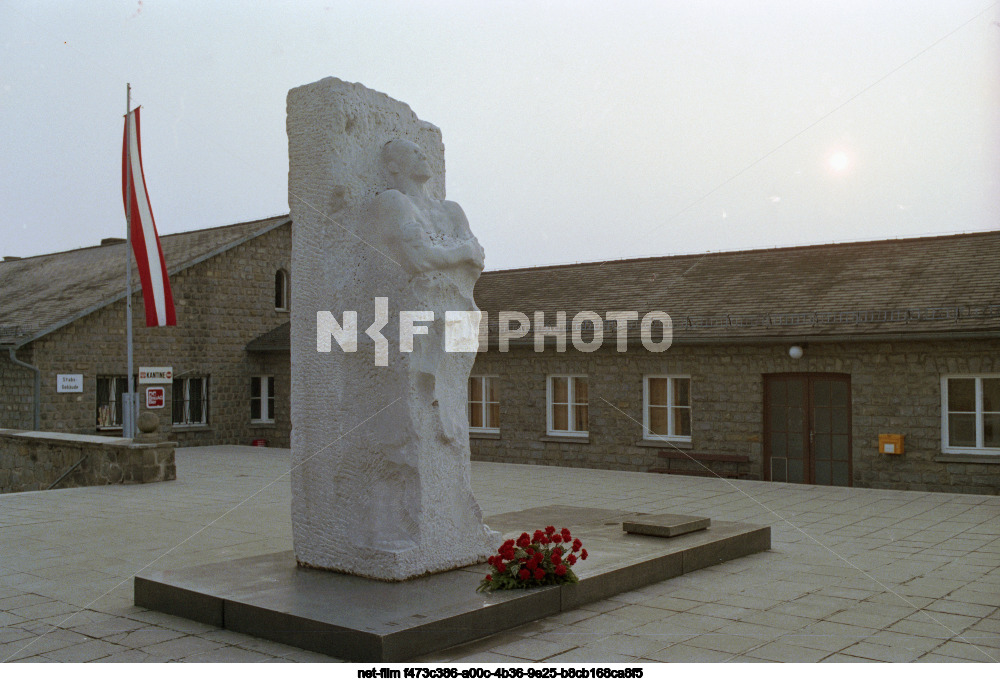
(854,575)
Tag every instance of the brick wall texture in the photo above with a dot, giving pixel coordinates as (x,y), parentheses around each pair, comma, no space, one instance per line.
(36,462)
(16,391)
(227,300)
(222,303)
(895,388)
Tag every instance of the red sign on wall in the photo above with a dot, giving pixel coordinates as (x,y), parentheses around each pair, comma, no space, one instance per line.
(155,397)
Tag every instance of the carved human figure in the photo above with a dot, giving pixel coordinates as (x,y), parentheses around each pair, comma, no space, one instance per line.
(424,234)
(431,241)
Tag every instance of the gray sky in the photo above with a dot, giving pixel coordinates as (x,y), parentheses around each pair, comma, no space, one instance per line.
(577,131)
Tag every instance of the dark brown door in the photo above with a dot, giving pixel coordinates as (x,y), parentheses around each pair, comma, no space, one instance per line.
(807,428)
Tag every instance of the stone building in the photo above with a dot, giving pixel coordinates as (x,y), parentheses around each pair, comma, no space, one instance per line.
(62,318)
(786,364)
(897,338)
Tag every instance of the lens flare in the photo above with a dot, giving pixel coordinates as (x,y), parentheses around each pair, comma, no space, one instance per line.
(839,162)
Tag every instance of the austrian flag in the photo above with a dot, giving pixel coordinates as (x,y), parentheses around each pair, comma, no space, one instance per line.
(156,296)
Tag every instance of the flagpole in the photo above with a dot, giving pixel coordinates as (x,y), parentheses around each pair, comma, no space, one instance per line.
(128,422)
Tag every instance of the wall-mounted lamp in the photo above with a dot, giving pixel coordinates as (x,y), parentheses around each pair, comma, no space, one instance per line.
(795,352)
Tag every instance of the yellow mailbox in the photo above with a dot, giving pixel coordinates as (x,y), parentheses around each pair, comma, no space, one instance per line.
(890,443)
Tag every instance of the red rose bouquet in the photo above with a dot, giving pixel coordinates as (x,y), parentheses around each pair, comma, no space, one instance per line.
(544,558)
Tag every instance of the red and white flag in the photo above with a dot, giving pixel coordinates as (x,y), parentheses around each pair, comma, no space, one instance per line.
(156,295)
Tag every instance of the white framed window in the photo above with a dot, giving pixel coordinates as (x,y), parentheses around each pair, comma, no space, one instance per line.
(568,405)
(262,400)
(281,290)
(190,401)
(970,414)
(109,401)
(666,407)
(484,405)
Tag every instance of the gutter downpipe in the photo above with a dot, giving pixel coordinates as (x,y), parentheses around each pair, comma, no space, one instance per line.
(38,386)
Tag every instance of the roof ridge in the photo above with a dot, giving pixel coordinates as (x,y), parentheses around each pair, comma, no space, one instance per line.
(769,249)
(162,236)
(219,227)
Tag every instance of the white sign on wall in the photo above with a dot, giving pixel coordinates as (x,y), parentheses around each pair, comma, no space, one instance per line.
(156,375)
(69,383)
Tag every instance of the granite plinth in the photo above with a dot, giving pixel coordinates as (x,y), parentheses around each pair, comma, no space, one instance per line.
(666,525)
(361,619)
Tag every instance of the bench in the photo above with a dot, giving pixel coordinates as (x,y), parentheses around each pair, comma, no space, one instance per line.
(706,458)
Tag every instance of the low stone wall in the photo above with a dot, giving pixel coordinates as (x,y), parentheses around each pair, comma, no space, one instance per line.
(34,460)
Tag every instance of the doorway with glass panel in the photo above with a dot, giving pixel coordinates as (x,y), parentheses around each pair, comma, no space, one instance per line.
(807,428)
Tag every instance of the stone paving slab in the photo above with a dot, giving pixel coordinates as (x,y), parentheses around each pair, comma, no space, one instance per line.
(889,539)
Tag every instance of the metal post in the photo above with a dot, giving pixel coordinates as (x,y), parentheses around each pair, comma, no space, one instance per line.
(128,421)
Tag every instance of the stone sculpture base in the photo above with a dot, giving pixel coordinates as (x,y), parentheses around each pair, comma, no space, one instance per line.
(358,619)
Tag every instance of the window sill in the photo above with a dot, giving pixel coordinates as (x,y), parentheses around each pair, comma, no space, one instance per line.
(190,427)
(968,458)
(105,429)
(484,435)
(549,438)
(261,424)
(666,442)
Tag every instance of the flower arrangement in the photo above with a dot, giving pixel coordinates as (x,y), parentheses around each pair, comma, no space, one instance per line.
(544,558)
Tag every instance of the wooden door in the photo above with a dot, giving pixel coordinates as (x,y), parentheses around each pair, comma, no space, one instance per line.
(807,428)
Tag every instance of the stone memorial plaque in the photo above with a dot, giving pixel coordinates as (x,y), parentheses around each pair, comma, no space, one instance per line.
(666,525)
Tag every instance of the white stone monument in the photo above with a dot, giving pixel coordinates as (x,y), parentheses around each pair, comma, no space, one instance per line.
(381,480)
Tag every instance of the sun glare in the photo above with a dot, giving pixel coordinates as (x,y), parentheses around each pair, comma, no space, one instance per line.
(839,162)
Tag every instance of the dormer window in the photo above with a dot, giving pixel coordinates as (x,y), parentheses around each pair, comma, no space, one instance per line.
(281,290)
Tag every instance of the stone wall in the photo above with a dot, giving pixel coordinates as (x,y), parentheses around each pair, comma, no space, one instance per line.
(35,460)
(17,394)
(896,388)
(222,304)
(227,300)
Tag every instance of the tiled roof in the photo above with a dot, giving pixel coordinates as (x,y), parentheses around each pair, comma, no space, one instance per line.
(947,284)
(42,293)
(278,339)
(939,285)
